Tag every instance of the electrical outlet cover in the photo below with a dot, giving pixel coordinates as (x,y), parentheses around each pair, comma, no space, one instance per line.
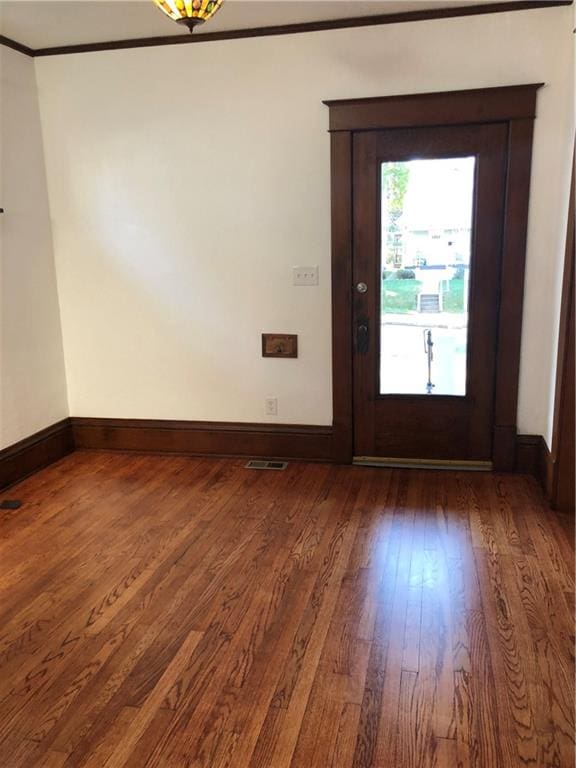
(271,406)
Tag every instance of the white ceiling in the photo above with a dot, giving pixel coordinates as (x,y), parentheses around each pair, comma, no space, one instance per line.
(46,23)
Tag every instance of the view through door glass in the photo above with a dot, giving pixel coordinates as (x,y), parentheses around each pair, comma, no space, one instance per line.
(426,243)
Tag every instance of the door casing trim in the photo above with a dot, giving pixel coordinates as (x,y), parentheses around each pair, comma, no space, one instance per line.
(513,105)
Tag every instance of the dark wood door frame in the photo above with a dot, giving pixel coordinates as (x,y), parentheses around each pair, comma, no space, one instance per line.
(560,470)
(514,106)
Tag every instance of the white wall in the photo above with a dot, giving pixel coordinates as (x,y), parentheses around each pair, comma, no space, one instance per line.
(32,378)
(186,181)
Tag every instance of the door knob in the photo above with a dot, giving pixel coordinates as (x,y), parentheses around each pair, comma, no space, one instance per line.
(361,287)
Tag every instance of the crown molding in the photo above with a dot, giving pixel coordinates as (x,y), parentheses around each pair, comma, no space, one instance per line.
(290,29)
(6,41)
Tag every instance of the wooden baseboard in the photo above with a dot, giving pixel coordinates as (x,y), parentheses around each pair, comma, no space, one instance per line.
(204,438)
(533,457)
(199,438)
(34,452)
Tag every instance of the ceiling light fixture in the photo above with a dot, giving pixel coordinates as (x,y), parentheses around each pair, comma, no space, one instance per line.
(189,12)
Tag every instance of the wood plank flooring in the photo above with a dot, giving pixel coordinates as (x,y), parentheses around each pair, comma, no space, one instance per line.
(162,612)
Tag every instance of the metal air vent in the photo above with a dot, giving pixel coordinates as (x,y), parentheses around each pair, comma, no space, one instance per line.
(260,464)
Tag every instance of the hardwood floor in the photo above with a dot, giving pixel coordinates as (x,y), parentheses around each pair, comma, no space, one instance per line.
(168,612)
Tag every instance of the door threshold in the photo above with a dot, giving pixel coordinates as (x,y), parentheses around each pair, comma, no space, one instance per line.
(377,461)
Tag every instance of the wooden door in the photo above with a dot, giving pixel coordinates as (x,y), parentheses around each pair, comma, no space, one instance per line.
(428,214)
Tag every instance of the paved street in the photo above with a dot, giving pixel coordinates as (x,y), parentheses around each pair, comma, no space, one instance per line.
(404,364)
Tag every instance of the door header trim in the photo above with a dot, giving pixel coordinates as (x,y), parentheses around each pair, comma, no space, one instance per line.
(480,105)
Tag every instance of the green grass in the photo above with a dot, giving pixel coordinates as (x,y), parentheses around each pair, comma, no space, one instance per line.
(454,298)
(399,296)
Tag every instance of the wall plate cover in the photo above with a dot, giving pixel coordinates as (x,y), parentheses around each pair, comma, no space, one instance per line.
(304,275)
(279,345)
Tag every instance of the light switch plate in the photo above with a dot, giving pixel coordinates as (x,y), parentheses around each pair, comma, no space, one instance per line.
(304,275)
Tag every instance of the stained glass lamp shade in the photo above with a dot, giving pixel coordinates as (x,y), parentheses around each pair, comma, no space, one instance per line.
(189,12)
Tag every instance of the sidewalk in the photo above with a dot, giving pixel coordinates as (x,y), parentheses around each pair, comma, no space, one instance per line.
(454,320)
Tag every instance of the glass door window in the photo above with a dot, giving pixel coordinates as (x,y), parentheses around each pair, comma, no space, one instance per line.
(426,244)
